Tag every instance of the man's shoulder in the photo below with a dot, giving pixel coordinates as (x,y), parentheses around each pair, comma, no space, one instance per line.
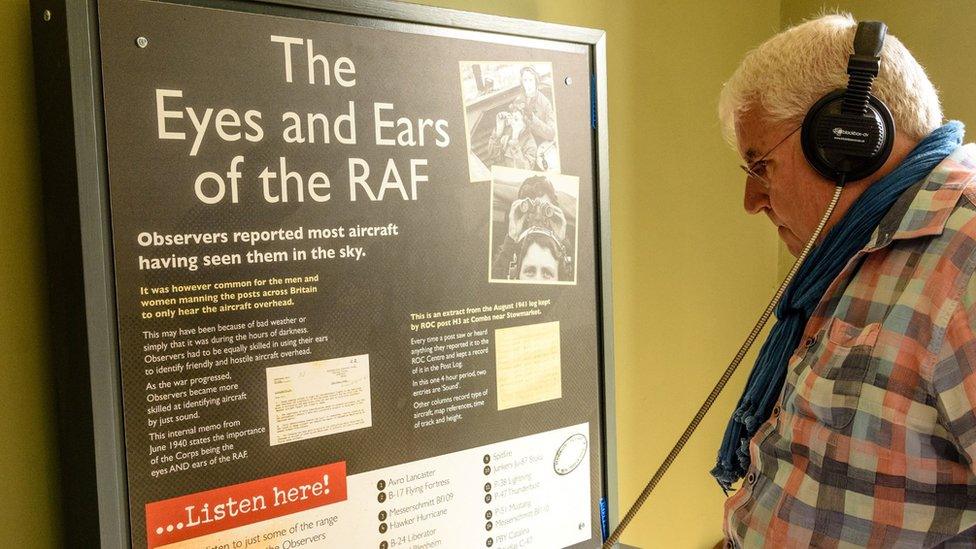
(957,189)
(944,206)
(960,226)
(937,254)
(934,246)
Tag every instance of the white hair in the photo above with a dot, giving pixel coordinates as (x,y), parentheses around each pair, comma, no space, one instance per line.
(788,73)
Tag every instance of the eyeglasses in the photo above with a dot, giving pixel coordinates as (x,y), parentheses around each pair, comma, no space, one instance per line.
(757,168)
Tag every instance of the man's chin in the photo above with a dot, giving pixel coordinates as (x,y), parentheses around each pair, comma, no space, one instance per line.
(792,243)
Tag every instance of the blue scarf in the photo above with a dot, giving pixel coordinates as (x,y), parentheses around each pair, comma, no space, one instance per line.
(803,294)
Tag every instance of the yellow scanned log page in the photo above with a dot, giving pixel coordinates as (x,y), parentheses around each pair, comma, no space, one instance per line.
(527,364)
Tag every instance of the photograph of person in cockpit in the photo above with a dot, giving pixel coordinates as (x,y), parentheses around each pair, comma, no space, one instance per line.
(532,238)
(509,117)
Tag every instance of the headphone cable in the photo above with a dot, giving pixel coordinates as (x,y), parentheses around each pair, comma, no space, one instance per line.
(651,484)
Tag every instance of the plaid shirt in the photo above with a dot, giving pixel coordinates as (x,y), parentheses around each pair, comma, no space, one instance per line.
(873,441)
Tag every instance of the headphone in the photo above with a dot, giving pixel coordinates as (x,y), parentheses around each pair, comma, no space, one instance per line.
(848,134)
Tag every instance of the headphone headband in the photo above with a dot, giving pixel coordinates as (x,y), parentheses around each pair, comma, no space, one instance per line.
(863,65)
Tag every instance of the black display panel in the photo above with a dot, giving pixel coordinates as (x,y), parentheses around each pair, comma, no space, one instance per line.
(355,276)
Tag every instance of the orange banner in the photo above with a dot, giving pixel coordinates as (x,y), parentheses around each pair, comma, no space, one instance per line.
(202,513)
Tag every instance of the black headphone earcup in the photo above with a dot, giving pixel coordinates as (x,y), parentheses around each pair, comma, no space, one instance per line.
(846,147)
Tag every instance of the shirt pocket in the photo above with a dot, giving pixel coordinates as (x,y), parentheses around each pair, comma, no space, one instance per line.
(838,363)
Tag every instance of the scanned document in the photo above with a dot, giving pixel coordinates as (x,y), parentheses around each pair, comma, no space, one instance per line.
(528,364)
(318,398)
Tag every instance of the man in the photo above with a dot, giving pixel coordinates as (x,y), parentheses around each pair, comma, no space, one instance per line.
(872,439)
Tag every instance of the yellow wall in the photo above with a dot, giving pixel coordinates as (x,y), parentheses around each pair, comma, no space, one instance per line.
(28,451)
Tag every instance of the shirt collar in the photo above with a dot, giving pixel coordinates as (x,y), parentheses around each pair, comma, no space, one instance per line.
(924,208)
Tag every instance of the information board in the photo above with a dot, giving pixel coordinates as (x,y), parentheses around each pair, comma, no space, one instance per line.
(356,277)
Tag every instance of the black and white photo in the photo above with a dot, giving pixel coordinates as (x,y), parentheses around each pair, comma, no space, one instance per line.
(533,227)
(510,117)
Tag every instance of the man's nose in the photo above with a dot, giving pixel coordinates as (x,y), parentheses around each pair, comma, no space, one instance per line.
(755,199)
